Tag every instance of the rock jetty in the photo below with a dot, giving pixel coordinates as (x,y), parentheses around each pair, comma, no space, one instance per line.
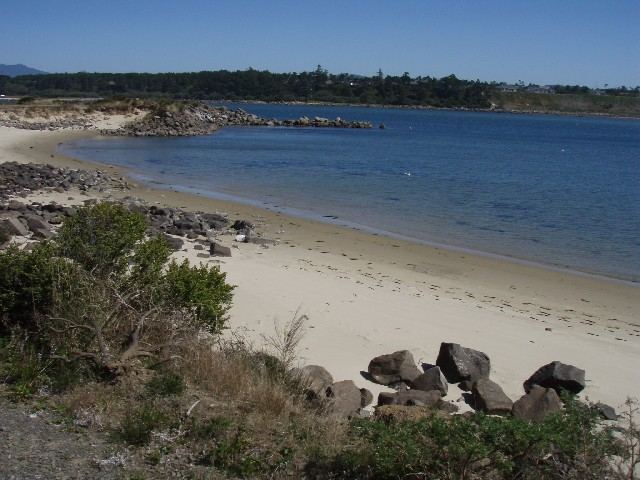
(202,119)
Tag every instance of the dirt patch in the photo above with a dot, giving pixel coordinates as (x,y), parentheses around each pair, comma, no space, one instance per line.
(36,445)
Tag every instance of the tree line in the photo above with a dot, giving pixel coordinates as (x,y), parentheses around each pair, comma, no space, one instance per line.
(317,85)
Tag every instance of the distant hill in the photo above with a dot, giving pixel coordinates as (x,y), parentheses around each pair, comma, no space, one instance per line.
(19,69)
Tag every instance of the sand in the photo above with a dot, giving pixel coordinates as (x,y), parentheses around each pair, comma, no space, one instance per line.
(365,295)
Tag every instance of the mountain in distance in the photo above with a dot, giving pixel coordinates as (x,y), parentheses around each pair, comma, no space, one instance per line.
(19,69)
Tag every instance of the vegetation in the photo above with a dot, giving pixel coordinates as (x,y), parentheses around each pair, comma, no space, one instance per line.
(103,294)
(117,337)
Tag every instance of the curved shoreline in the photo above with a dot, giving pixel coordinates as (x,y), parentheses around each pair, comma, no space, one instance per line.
(369,294)
(347,224)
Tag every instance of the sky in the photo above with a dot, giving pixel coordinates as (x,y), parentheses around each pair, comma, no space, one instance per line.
(584,42)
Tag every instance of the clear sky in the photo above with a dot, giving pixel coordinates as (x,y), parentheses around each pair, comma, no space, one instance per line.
(545,41)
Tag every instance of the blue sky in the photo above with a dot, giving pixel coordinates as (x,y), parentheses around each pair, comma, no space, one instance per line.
(561,41)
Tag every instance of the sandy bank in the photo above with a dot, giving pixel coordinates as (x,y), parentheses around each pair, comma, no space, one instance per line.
(366,295)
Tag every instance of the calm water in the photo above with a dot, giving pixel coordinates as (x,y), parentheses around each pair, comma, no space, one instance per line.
(557,190)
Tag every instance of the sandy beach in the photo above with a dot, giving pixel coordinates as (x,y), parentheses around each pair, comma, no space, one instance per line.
(366,295)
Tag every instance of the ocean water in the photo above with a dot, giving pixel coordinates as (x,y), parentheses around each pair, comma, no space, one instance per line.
(556,190)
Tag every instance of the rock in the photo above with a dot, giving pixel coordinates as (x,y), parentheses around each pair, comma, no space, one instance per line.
(466,385)
(241,238)
(214,220)
(173,242)
(198,247)
(13,226)
(488,397)
(242,225)
(366,397)
(558,376)
(410,397)
(432,379)
(315,379)
(202,255)
(393,368)
(605,411)
(218,250)
(345,398)
(459,363)
(537,404)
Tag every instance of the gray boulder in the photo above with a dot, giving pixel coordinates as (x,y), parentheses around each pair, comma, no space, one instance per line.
(366,397)
(489,397)
(218,250)
(345,399)
(173,242)
(242,225)
(558,376)
(418,398)
(315,379)
(214,220)
(460,364)
(606,412)
(432,379)
(537,404)
(13,226)
(393,368)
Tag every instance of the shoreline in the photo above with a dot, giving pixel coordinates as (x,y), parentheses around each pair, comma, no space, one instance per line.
(428,107)
(369,294)
(367,230)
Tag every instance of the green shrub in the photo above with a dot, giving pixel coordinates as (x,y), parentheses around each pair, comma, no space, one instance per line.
(101,237)
(100,297)
(137,425)
(165,384)
(567,445)
(28,281)
(210,428)
(201,292)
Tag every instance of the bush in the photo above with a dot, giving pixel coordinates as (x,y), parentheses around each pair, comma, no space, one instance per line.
(102,294)
(28,283)
(566,445)
(101,237)
(165,384)
(137,425)
(201,292)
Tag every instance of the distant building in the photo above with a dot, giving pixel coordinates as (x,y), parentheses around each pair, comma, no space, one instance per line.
(505,87)
(540,89)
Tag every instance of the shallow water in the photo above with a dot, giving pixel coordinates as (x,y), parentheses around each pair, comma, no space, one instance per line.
(557,190)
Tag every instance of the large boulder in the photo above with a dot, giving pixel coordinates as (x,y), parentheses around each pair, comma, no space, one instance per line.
(393,368)
(315,380)
(13,226)
(432,379)
(418,398)
(460,364)
(214,220)
(345,399)
(606,412)
(537,404)
(218,250)
(489,397)
(366,397)
(558,376)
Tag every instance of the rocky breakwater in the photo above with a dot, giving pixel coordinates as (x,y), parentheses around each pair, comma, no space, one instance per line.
(18,179)
(202,119)
(33,221)
(71,123)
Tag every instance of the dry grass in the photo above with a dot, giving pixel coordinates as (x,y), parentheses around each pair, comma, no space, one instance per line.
(229,383)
